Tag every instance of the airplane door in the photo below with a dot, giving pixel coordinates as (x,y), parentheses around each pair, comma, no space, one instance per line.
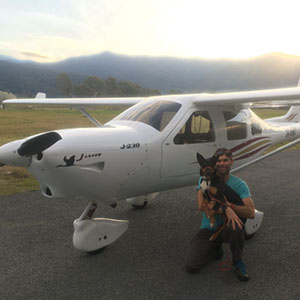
(197,133)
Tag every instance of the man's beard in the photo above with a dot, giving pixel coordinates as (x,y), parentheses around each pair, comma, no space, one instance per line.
(223,172)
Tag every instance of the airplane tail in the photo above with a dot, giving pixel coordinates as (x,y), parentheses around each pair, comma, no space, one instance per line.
(292,116)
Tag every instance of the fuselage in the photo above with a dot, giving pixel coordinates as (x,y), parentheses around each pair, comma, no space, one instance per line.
(148,148)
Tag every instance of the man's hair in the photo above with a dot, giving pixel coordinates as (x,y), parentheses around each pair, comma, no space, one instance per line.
(223,151)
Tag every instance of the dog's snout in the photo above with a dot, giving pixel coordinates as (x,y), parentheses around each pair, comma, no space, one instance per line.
(208,171)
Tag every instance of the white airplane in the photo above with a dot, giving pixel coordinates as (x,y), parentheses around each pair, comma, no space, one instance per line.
(150,147)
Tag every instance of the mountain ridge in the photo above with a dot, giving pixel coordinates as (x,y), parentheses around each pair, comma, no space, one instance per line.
(187,75)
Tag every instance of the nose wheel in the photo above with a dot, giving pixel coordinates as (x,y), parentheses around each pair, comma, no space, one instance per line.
(94,234)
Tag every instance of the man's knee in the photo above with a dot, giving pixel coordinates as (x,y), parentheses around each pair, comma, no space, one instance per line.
(237,234)
(194,263)
(191,268)
(237,231)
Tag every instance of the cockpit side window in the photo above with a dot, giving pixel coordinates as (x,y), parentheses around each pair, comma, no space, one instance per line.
(197,129)
(235,127)
(157,114)
(256,128)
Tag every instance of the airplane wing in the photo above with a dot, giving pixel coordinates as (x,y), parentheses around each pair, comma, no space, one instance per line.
(76,102)
(267,98)
(274,97)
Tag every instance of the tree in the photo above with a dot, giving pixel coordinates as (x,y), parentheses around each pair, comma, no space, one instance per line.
(96,86)
(81,90)
(174,92)
(6,95)
(149,92)
(129,88)
(112,88)
(64,84)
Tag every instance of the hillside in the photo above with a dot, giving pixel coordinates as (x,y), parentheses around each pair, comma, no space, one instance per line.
(163,73)
(28,78)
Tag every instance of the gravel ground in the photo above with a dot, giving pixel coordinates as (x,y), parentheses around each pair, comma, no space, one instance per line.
(38,260)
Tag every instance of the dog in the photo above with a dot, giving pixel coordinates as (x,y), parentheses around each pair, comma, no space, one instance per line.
(213,190)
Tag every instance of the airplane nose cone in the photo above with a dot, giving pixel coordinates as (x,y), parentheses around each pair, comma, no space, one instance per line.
(9,155)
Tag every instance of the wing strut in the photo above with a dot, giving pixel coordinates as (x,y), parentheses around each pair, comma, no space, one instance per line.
(293,143)
(93,120)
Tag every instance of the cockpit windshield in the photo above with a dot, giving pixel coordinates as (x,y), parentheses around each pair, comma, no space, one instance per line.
(157,114)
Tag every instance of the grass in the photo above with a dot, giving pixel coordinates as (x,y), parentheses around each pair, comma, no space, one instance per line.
(19,123)
(269,113)
(16,180)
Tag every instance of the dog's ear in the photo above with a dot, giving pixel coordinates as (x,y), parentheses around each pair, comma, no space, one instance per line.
(201,160)
(214,160)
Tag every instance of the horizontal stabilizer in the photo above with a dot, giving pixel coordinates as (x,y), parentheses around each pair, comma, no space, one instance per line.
(292,116)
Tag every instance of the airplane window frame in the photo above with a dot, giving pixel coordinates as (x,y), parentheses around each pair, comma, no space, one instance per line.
(235,130)
(157,114)
(190,134)
(256,129)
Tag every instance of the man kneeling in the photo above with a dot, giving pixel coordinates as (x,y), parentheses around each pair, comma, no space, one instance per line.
(239,207)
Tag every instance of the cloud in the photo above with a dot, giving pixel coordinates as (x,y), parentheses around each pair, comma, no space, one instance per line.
(34,56)
(58,29)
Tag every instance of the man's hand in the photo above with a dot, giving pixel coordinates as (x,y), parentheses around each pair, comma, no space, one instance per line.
(233,218)
(245,211)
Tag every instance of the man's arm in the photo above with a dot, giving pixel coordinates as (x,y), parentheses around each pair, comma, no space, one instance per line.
(200,199)
(245,211)
(234,211)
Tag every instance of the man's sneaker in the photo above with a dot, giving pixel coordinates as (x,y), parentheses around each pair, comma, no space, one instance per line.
(241,271)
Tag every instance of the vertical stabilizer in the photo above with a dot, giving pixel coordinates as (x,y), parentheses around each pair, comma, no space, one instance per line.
(292,116)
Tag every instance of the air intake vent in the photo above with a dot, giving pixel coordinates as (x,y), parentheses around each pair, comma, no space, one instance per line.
(39,144)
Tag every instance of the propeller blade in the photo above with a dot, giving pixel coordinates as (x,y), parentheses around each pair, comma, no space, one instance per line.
(9,155)
(38,144)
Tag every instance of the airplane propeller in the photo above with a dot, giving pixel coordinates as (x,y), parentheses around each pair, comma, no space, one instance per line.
(19,153)
(38,144)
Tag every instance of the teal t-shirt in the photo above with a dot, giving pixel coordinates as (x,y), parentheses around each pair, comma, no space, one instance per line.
(239,186)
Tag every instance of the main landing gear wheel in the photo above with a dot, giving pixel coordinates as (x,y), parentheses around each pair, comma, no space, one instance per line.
(141,201)
(140,206)
(249,236)
(96,252)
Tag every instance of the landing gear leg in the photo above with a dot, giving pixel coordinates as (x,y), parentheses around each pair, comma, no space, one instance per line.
(92,234)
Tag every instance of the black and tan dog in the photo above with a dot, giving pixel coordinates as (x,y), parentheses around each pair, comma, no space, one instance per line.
(213,190)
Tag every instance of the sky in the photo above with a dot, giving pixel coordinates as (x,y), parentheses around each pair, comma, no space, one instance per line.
(52,30)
